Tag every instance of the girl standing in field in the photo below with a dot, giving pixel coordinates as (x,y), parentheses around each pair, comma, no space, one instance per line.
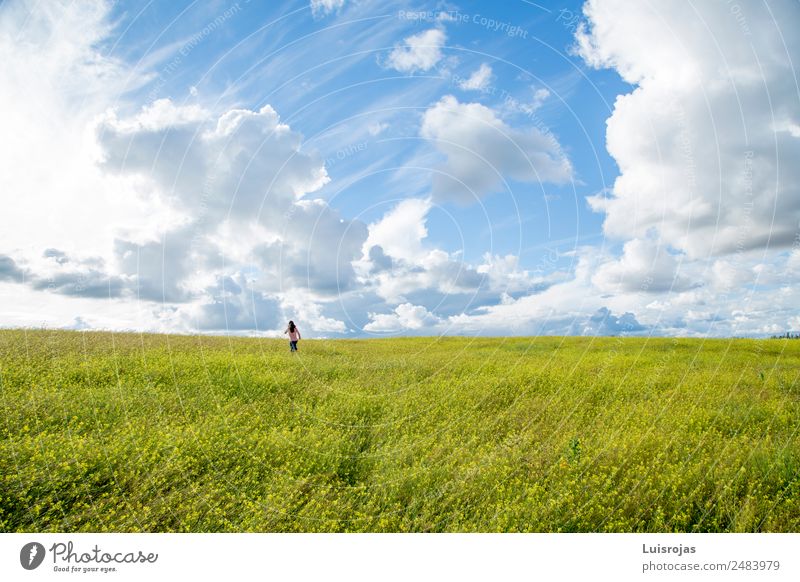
(294,336)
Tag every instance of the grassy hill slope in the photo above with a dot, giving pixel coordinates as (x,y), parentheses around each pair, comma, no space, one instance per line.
(128,432)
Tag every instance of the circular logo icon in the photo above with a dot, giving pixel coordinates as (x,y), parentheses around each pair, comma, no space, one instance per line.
(31,555)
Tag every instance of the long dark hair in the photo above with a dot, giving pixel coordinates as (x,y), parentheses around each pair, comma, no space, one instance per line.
(291,325)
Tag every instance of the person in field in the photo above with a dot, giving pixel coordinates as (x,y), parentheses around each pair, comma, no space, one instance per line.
(294,336)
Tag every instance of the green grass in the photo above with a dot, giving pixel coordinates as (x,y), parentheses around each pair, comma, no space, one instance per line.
(128,432)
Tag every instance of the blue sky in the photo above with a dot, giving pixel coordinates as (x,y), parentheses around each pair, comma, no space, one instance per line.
(329,87)
(380,168)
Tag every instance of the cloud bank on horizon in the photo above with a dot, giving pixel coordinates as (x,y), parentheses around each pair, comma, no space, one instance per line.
(619,169)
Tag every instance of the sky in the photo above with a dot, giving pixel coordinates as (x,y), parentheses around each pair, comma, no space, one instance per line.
(379,168)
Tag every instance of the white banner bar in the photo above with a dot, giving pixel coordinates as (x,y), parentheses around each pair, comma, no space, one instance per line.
(371,557)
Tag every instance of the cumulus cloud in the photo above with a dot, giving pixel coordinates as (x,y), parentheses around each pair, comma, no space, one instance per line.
(85,283)
(405,317)
(645,266)
(241,182)
(316,252)
(504,273)
(156,268)
(399,265)
(395,262)
(58,256)
(479,79)
(704,143)
(9,270)
(231,304)
(727,276)
(300,306)
(55,80)
(378,260)
(206,219)
(498,320)
(418,52)
(67,275)
(181,198)
(701,189)
(400,232)
(436,277)
(240,164)
(482,151)
(603,322)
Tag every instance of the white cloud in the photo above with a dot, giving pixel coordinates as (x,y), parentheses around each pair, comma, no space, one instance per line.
(10,270)
(505,275)
(242,181)
(55,81)
(604,322)
(396,262)
(419,52)
(644,267)
(202,219)
(482,151)
(377,128)
(682,198)
(727,276)
(152,210)
(398,265)
(231,304)
(401,230)
(479,80)
(314,251)
(738,296)
(239,164)
(244,168)
(157,269)
(301,307)
(539,97)
(321,8)
(405,317)
(701,161)
(513,105)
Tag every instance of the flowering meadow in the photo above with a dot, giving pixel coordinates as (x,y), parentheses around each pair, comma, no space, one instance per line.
(131,432)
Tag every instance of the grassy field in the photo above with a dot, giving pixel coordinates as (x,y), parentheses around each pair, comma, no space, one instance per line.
(128,432)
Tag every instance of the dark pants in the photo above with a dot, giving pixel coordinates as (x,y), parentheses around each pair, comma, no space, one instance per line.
(293,346)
